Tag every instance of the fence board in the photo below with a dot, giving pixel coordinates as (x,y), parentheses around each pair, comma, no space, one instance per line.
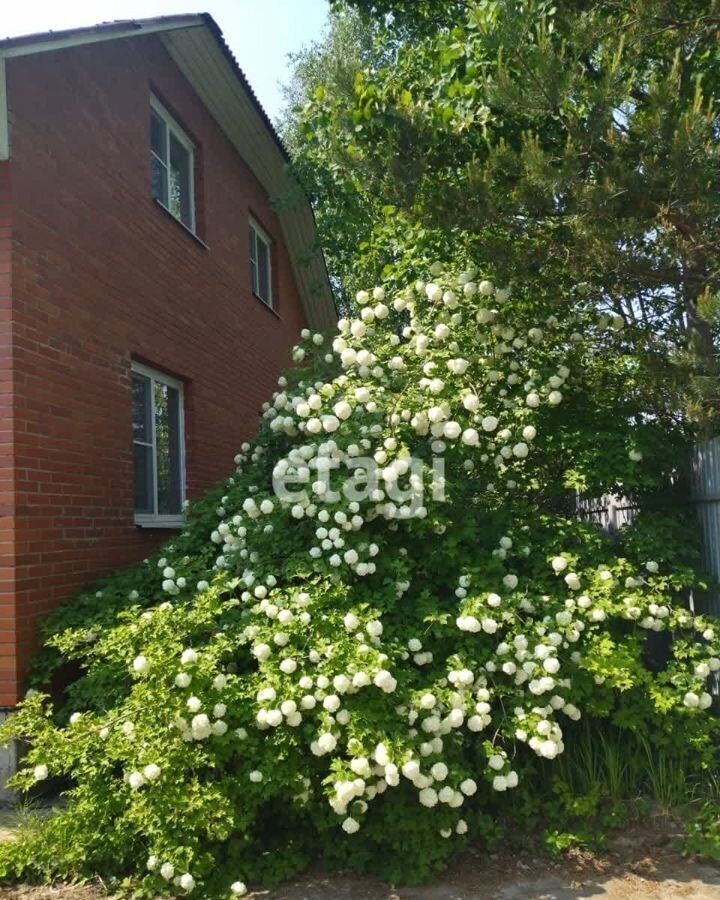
(609,512)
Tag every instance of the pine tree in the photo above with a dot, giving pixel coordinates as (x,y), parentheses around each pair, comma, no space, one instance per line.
(571,143)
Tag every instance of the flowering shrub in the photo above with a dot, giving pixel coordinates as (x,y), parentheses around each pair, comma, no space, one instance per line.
(373,631)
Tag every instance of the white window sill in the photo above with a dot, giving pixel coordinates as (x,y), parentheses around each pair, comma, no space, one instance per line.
(147,521)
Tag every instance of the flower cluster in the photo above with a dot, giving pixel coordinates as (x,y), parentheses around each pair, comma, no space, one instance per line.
(380,609)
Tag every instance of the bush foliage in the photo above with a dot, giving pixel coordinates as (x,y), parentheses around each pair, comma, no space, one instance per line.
(380,631)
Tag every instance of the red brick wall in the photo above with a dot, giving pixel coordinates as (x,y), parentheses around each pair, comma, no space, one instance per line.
(101,275)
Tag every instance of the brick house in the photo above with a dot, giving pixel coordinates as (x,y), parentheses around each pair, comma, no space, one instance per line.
(149,294)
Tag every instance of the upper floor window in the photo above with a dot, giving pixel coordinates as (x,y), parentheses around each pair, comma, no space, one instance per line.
(260,264)
(172,165)
(159,447)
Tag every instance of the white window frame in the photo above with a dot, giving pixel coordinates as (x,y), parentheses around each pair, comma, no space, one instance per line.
(172,127)
(153,520)
(261,235)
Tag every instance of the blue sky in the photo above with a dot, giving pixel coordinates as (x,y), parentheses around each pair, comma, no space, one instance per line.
(260,32)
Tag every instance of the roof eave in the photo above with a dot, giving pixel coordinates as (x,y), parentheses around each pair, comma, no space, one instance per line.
(30,44)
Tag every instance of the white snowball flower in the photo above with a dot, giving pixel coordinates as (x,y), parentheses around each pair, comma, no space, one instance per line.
(167,870)
(200,727)
(151,772)
(468,787)
(381,755)
(691,699)
(141,665)
(428,797)
(385,681)
(439,771)
(327,742)
(489,423)
(136,780)
(361,766)
(489,626)
(452,430)
(188,657)
(559,564)
(548,749)
(187,882)
(40,772)
(238,889)
(350,825)
(342,410)
(433,292)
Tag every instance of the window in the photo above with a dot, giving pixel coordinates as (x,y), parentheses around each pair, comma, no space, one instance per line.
(260,264)
(159,446)
(171,164)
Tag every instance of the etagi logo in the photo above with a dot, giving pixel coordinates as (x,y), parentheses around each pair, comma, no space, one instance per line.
(401,485)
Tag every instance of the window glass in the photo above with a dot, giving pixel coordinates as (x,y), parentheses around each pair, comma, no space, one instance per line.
(167,430)
(171,167)
(142,422)
(253,261)
(264,271)
(159,180)
(260,265)
(158,136)
(158,444)
(144,488)
(180,185)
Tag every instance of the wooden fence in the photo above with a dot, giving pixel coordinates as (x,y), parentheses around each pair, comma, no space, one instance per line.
(611,513)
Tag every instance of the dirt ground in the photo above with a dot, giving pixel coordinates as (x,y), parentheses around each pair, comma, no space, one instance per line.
(641,864)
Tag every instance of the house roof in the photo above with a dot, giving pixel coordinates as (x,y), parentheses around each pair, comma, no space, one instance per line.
(196,44)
